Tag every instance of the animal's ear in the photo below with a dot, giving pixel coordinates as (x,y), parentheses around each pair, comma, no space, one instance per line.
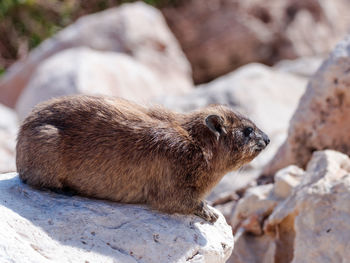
(215,123)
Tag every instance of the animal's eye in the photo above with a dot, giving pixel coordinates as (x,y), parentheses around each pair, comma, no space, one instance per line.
(247,131)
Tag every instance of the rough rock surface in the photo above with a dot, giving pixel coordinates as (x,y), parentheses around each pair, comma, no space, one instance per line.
(252,243)
(322,119)
(318,211)
(220,35)
(258,202)
(137,30)
(39,226)
(286,180)
(311,224)
(8,130)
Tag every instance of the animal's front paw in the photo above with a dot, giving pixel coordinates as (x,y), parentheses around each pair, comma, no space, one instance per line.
(206,213)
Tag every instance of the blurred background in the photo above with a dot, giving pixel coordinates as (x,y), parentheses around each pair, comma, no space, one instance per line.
(243,31)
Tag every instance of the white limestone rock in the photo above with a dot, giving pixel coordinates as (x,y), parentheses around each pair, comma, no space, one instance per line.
(303,66)
(286,180)
(322,119)
(316,217)
(8,120)
(38,226)
(257,203)
(87,71)
(8,132)
(260,201)
(253,244)
(311,225)
(7,151)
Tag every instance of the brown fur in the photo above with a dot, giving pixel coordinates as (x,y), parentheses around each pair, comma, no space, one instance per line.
(113,149)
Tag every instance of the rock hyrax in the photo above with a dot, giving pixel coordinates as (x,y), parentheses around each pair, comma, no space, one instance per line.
(114,149)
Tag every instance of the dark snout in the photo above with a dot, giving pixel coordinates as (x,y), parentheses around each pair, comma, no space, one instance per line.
(263,141)
(266,139)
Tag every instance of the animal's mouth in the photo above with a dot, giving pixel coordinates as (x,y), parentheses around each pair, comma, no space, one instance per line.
(258,149)
(261,144)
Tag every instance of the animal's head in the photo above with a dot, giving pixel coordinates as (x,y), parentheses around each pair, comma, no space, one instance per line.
(238,139)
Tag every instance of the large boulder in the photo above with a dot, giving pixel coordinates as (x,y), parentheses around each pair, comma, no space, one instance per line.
(87,71)
(8,132)
(221,35)
(137,30)
(322,119)
(310,222)
(39,226)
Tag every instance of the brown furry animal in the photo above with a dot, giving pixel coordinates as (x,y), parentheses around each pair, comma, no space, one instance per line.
(113,149)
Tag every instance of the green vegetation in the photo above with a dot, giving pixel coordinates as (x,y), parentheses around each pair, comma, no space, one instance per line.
(24,24)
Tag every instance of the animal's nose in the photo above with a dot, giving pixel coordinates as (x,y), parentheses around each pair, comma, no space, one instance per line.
(266,139)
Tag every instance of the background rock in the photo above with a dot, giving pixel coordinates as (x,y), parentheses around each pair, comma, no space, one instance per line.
(309,225)
(322,119)
(87,71)
(302,67)
(221,35)
(285,181)
(41,226)
(253,249)
(8,120)
(252,242)
(137,30)
(318,212)
(257,203)
(7,151)
(8,133)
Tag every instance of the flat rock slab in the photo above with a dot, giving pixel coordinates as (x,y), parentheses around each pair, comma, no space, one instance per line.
(41,226)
